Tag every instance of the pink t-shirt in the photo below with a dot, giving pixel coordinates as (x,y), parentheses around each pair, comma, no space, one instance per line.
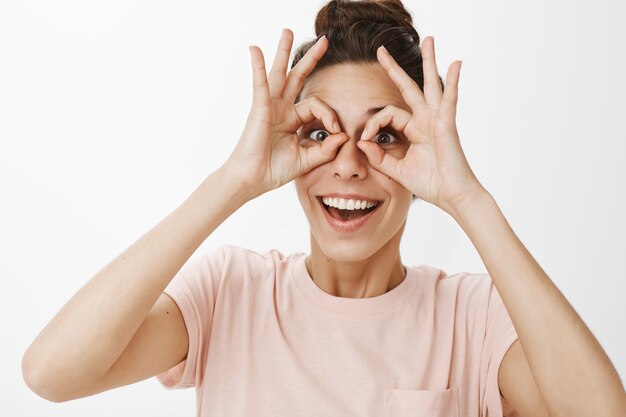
(265,340)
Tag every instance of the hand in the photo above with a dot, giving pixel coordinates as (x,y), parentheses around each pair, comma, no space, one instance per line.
(434,167)
(268,154)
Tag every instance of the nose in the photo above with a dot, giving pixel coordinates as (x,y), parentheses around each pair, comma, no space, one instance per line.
(350,161)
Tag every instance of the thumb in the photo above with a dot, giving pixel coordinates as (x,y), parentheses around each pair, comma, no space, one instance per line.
(379,159)
(326,151)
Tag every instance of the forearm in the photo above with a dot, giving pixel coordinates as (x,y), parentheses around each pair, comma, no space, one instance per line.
(89,333)
(570,367)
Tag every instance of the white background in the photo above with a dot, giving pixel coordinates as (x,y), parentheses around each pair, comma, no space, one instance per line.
(111,113)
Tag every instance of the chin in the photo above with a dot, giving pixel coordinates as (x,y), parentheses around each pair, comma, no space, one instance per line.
(348,250)
(376,232)
(359,249)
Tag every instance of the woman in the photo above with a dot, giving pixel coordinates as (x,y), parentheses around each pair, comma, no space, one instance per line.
(347,329)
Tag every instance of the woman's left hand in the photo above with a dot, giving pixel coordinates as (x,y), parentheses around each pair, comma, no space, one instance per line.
(434,167)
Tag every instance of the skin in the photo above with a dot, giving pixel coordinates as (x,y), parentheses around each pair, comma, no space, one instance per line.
(367,262)
(545,373)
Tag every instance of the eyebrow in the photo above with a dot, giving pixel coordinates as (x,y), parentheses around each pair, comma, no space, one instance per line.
(373,110)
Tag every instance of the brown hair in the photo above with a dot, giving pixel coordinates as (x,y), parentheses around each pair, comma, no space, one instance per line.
(355,30)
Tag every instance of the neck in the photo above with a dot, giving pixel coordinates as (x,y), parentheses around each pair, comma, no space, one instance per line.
(368,277)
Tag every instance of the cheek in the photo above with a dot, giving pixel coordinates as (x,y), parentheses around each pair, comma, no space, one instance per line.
(399,152)
(391,186)
(306,181)
(396,189)
(303,184)
(299,188)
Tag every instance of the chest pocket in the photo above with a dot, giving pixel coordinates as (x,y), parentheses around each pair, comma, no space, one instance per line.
(421,403)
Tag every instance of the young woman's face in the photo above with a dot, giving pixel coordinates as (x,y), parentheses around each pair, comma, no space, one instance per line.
(353,92)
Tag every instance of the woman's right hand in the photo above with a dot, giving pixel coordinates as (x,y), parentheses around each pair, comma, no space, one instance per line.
(268,153)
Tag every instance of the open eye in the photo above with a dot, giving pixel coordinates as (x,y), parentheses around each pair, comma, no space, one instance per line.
(317,135)
(385,138)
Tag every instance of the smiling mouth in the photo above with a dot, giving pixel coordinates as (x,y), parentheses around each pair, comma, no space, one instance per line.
(347,214)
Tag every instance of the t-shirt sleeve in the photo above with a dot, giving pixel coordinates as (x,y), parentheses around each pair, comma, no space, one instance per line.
(499,336)
(194,289)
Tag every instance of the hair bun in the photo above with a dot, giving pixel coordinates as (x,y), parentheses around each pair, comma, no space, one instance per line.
(338,14)
(356,29)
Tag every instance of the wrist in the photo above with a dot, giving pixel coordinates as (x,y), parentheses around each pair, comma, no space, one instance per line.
(478,199)
(225,185)
(238,186)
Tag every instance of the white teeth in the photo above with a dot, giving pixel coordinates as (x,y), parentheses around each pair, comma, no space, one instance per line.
(343,204)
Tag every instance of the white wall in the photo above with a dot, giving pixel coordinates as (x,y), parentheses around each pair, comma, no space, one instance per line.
(111,113)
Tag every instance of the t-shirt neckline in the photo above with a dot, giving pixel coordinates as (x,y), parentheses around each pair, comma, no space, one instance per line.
(353,306)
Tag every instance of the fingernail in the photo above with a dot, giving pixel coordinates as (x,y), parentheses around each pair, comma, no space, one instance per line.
(384,49)
(364,134)
(323,36)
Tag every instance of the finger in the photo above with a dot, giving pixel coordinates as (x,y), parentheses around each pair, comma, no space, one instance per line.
(260,86)
(432,86)
(298,74)
(409,88)
(390,115)
(317,155)
(281,61)
(447,108)
(379,159)
(314,108)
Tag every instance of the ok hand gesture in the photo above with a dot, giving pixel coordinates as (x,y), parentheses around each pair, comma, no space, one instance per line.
(268,154)
(434,167)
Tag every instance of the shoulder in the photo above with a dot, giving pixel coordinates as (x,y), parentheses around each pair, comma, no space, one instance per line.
(237,262)
(464,300)
(469,286)
(470,282)
(237,255)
